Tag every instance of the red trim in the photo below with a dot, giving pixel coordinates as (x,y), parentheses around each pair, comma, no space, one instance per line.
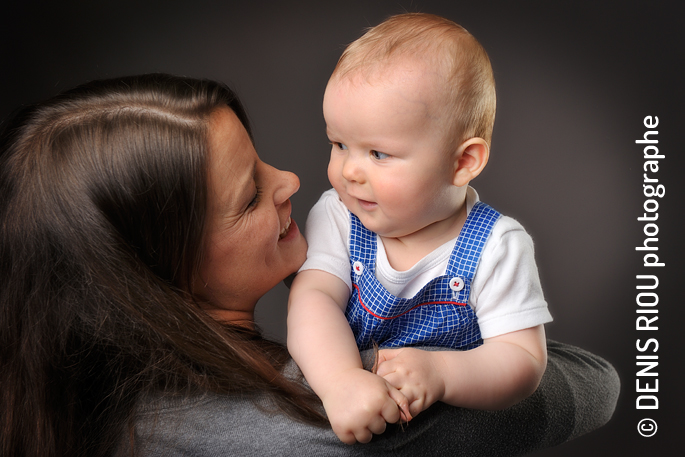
(359,294)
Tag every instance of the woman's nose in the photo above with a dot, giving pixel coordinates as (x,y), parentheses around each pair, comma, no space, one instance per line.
(287,183)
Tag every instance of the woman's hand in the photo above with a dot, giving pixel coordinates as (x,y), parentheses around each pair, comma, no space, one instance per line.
(415,373)
(359,404)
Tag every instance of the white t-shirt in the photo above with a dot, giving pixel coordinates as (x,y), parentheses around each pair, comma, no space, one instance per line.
(505,294)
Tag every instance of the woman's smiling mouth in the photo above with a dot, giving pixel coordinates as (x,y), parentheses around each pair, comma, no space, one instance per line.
(284,232)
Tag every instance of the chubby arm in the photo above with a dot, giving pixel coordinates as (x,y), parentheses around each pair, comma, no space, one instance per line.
(500,373)
(358,403)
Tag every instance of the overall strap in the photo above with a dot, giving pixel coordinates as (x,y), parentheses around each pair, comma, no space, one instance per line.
(362,244)
(461,267)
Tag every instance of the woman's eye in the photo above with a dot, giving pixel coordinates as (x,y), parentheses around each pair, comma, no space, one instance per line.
(257,197)
(379,155)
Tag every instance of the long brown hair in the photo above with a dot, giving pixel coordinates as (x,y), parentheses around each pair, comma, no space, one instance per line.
(102,213)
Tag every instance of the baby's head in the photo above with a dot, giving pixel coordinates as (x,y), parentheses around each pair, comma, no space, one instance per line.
(448,57)
(409,112)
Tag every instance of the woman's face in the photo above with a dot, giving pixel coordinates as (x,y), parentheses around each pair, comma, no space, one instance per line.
(251,243)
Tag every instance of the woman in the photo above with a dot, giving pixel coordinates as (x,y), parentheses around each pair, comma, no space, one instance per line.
(139,230)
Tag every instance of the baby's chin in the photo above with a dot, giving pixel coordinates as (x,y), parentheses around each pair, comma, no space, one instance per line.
(380,229)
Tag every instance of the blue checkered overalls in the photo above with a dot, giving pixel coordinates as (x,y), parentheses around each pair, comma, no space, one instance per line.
(439,315)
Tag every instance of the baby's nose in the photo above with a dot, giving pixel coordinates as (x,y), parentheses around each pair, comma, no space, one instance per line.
(352,170)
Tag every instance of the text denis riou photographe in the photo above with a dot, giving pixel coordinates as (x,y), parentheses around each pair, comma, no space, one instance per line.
(647,283)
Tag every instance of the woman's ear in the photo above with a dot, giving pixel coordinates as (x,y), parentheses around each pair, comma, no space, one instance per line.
(470,159)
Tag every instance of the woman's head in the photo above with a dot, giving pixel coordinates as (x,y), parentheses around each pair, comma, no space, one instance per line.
(251,242)
(115,170)
(129,171)
(108,223)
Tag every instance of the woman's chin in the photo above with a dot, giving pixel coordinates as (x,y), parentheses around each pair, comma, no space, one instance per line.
(294,247)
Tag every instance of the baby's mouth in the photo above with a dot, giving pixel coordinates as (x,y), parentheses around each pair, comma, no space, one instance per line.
(367,205)
(284,232)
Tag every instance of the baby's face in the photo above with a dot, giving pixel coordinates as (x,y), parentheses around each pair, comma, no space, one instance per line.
(390,161)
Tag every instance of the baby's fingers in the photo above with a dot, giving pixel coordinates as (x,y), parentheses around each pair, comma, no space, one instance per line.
(401,407)
(385,363)
(376,426)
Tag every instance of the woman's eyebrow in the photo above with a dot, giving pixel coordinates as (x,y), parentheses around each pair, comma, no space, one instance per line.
(249,178)
(244,192)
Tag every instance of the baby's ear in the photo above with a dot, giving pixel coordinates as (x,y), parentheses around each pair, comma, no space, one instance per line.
(470,159)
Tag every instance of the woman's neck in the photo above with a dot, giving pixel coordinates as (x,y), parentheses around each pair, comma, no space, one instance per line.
(240,318)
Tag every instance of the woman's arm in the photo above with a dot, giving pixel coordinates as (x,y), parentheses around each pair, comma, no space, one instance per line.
(577,395)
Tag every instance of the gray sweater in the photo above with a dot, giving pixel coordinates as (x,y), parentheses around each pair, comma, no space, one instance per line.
(577,394)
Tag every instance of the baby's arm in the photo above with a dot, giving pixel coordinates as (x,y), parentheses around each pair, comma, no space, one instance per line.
(500,373)
(358,403)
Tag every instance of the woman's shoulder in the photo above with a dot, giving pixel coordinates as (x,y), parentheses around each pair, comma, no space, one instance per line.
(212,424)
(219,425)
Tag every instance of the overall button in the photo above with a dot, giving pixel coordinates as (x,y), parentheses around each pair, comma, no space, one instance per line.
(358,268)
(456,284)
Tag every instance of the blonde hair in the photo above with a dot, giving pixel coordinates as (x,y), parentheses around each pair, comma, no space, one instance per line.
(469,85)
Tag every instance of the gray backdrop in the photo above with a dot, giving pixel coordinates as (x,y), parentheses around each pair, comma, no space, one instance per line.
(575,80)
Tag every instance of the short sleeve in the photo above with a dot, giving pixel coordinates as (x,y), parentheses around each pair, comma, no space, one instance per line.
(506,292)
(327,231)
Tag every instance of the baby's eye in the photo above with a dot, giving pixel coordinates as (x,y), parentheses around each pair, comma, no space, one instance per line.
(379,155)
(341,146)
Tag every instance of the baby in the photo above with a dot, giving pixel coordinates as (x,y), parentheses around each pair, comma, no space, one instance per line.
(401,251)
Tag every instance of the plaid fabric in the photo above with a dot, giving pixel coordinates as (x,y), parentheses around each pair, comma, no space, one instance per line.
(439,315)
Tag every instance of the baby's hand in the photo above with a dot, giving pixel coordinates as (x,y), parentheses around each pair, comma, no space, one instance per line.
(359,404)
(416,373)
